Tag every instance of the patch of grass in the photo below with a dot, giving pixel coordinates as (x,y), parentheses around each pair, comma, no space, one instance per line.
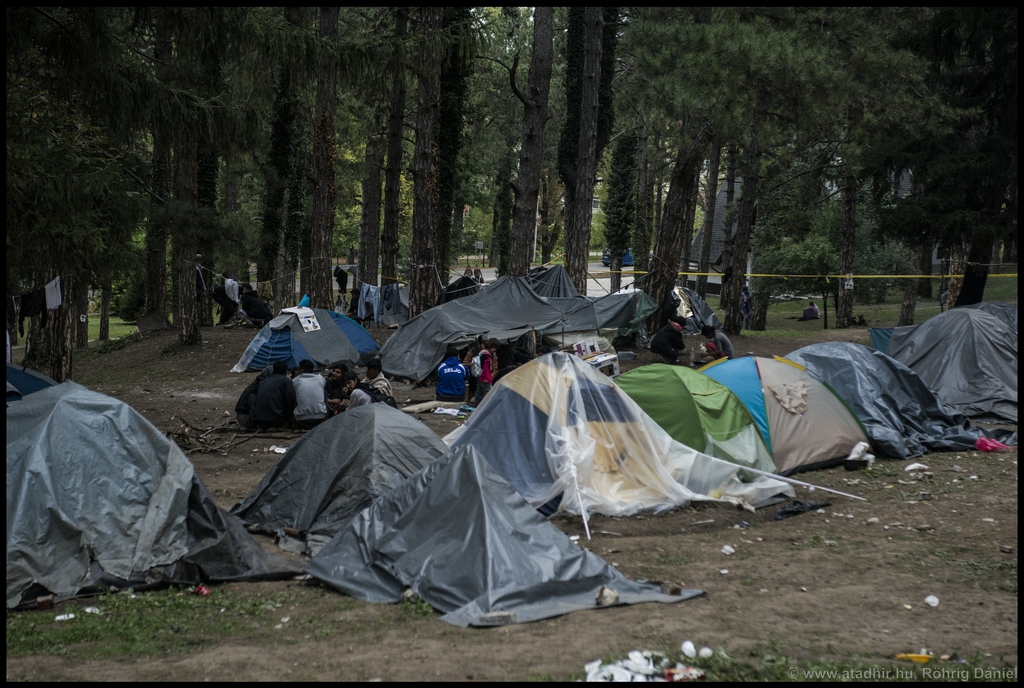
(148,624)
(416,608)
(118,328)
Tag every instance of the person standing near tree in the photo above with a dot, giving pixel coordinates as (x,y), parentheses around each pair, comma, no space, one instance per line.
(746,306)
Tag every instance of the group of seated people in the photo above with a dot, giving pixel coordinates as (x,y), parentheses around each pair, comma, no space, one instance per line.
(668,342)
(307,399)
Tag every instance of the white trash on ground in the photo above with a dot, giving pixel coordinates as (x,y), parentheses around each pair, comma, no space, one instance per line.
(641,666)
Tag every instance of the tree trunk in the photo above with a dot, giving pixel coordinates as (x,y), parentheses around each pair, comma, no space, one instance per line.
(844,313)
(324,164)
(369,225)
(185,238)
(924,260)
(727,221)
(393,174)
(80,308)
(691,214)
(909,303)
(105,311)
(642,230)
(157,228)
(711,198)
(426,284)
(958,254)
(531,154)
(731,287)
(668,245)
(615,281)
(579,215)
(759,311)
(56,338)
(550,218)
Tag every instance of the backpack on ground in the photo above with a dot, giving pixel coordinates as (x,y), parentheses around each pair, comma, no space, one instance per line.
(376,395)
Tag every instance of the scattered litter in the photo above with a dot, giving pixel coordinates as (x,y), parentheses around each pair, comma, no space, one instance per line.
(498,618)
(925,496)
(916,657)
(986,445)
(574,538)
(642,666)
(797,508)
(727,549)
(803,589)
(92,610)
(764,589)
(285,619)
(409,596)
(278,450)
(974,477)
(705,652)
(64,617)
(202,591)
(608,532)
(932,601)
(744,524)
(256,449)
(440,410)
(859,458)
(701,523)
(606,596)
(989,520)
(688,649)
(924,526)
(908,607)
(873,519)
(1006,549)
(278,627)
(916,467)
(724,571)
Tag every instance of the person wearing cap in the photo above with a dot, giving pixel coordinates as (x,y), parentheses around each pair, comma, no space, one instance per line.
(668,341)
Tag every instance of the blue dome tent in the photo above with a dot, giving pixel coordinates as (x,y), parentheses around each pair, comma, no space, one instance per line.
(336,339)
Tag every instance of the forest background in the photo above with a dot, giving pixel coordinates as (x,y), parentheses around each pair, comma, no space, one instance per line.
(279,142)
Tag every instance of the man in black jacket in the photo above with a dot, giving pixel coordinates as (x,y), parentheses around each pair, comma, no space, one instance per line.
(668,341)
(254,308)
(275,399)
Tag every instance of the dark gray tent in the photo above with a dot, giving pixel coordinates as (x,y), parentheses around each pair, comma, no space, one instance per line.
(505,310)
(460,288)
(336,469)
(97,496)
(902,417)
(1007,312)
(552,281)
(968,357)
(470,546)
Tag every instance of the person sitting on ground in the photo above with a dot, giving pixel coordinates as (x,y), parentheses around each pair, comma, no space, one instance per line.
(718,345)
(810,313)
(668,341)
(310,404)
(254,308)
(488,369)
(275,399)
(354,397)
(248,398)
(451,378)
(375,378)
(334,391)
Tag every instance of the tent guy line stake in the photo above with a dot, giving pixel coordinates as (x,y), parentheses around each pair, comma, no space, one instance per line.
(801,483)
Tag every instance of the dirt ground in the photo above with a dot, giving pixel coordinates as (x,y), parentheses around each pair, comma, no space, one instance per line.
(834,585)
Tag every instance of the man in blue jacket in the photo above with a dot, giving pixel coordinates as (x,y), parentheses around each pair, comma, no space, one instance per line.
(451,378)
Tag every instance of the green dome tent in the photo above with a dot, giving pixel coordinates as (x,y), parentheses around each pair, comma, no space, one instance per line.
(698,412)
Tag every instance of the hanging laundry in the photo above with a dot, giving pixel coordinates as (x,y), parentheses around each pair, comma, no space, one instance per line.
(53,298)
(369,302)
(265,290)
(231,289)
(32,303)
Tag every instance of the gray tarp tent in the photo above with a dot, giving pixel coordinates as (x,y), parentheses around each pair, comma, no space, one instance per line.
(902,417)
(552,282)
(506,309)
(470,546)
(97,496)
(336,469)
(968,357)
(1007,312)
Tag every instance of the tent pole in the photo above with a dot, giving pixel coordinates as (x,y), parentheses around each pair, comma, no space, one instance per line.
(801,483)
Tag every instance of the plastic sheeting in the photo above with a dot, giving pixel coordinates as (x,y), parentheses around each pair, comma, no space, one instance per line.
(552,282)
(903,418)
(504,310)
(96,494)
(556,423)
(1007,312)
(966,356)
(336,469)
(340,340)
(467,544)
